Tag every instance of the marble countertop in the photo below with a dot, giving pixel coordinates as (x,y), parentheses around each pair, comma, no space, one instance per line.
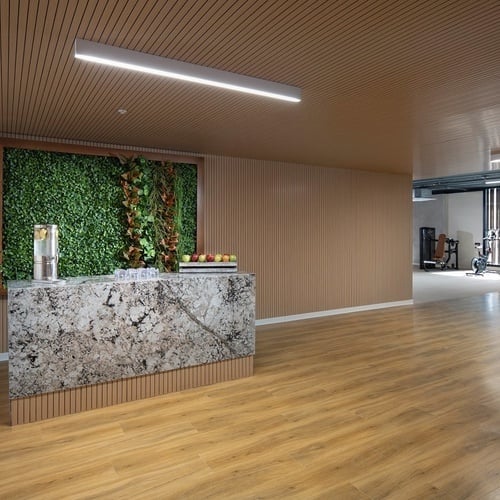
(108,278)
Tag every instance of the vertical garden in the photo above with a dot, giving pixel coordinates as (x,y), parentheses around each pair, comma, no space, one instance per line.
(111,212)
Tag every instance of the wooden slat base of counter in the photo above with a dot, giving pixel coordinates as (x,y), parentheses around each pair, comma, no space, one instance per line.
(90,397)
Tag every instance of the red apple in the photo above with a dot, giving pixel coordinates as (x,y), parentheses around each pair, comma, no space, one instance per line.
(210,257)
(194,257)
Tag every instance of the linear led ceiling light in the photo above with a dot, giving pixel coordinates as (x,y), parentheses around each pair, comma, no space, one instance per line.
(170,68)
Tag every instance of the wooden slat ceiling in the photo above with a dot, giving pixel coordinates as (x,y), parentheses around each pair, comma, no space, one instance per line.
(388,85)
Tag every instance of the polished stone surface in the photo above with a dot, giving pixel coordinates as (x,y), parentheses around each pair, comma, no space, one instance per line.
(91,330)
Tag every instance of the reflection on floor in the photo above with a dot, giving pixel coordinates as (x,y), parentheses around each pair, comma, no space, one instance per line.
(433,286)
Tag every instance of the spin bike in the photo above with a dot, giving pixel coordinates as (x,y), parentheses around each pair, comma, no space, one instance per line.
(480,263)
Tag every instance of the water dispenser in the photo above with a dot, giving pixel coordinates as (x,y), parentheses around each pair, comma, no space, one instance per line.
(45,252)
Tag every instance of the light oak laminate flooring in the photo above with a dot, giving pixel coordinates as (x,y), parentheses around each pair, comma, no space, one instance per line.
(400,403)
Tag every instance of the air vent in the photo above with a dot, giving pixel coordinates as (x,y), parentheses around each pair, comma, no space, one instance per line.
(422,195)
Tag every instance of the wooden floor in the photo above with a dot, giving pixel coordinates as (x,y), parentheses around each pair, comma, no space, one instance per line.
(400,403)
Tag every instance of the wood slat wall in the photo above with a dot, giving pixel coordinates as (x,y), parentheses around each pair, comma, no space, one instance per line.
(4,342)
(44,406)
(317,238)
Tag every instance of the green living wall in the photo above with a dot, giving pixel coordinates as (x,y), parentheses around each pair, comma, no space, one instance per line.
(84,196)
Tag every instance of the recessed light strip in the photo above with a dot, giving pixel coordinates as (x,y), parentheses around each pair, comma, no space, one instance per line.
(146,63)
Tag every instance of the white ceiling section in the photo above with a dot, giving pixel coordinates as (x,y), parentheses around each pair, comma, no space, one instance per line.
(387,85)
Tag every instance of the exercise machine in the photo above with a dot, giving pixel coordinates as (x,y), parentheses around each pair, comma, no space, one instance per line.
(479,264)
(444,250)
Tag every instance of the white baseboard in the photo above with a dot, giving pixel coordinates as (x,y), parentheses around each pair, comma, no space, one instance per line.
(4,356)
(331,312)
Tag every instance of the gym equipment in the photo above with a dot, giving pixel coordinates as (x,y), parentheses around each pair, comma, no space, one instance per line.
(427,239)
(445,248)
(479,264)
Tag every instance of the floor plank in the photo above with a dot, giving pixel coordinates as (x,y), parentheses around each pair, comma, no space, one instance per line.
(395,403)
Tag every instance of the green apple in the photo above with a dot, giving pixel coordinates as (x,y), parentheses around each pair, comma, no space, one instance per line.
(218,257)
(233,258)
(202,258)
(186,258)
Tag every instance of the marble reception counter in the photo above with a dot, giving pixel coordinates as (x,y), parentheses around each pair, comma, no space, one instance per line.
(95,330)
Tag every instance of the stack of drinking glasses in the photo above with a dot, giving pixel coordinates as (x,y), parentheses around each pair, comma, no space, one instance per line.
(132,274)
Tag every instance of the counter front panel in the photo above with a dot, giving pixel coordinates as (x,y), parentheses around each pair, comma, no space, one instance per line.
(93,330)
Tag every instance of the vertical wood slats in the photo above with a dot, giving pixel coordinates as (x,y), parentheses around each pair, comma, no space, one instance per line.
(44,406)
(318,239)
(365,58)
(4,339)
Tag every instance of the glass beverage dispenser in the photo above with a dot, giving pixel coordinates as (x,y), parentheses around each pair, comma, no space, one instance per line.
(45,252)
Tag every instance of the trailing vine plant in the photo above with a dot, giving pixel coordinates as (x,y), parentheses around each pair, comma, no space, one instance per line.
(164,202)
(149,200)
(137,184)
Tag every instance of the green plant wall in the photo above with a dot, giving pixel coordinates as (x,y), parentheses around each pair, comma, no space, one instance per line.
(186,192)
(83,195)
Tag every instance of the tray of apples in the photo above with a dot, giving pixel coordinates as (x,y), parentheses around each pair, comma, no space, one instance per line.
(208,263)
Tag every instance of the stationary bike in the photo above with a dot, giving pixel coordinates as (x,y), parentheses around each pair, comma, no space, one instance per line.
(480,263)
